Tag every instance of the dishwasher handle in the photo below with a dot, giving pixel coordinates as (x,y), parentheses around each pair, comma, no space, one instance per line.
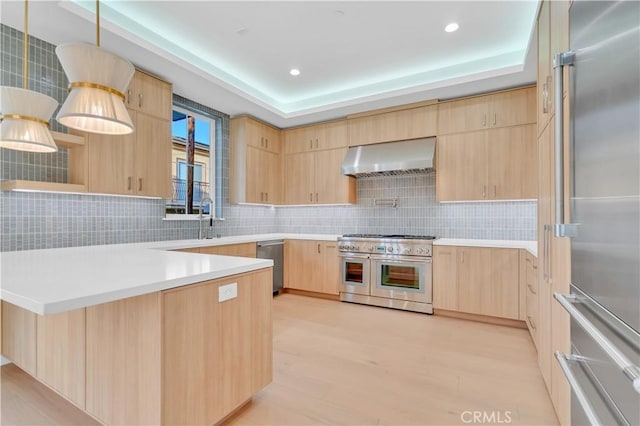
(269,243)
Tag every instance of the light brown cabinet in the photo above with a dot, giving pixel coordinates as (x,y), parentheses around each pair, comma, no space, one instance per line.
(255,165)
(553,253)
(316,137)
(390,126)
(19,337)
(529,277)
(258,134)
(316,178)
(61,354)
(496,164)
(216,355)
(134,164)
(150,95)
(311,266)
(483,281)
(241,250)
(503,109)
(138,163)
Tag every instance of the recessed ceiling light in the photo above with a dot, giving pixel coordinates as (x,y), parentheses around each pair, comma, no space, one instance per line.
(451,27)
(242,31)
(294,71)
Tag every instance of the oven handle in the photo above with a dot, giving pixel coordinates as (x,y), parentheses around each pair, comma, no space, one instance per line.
(402,259)
(353,256)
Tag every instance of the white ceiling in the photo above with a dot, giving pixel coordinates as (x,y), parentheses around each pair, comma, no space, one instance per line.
(353,56)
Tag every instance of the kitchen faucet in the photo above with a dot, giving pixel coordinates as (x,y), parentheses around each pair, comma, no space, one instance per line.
(202,202)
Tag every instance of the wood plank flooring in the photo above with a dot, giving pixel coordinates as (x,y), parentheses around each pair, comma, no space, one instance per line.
(25,401)
(344,364)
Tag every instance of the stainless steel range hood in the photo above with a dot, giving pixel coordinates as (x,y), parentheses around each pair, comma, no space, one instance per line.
(390,158)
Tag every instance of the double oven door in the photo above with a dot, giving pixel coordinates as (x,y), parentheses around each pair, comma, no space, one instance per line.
(392,277)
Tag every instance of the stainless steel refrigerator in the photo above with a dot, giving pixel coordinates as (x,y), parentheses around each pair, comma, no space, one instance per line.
(604,304)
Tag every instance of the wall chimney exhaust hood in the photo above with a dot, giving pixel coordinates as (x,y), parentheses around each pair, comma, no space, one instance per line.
(390,158)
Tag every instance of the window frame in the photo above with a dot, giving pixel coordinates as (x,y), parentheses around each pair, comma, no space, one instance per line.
(213,174)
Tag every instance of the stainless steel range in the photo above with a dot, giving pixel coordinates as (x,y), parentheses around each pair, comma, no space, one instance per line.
(393,271)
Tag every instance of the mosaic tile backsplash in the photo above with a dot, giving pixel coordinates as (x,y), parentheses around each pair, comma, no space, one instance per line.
(41,220)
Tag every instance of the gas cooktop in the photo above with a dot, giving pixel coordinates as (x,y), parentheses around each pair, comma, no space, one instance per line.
(395,236)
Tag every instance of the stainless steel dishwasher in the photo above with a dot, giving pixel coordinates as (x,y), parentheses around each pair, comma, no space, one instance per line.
(273,249)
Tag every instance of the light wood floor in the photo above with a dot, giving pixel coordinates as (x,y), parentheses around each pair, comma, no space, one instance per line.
(344,364)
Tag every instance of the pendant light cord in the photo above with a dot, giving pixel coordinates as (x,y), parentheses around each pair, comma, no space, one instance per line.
(25,61)
(98,23)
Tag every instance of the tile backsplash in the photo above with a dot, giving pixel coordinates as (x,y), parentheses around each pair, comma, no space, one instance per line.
(49,220)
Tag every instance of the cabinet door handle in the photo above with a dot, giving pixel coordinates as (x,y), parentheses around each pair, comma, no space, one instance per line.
(484,119)
(461,257)
(262,196)
(140,100)
(316,197)
(545,97)
(311,197)
(266,197)
(531,323)
(318,248)
(310,143)
(129,183)
(495,191)
(495,118)
(316,143)
(262,142)
(266,143)
(484,191)
(128,97)
(531,289)
(139,184)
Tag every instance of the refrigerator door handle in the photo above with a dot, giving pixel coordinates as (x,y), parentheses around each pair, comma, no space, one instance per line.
(560,60)
(630,370)
(564,360)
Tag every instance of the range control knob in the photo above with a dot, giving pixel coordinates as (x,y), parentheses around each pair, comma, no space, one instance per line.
(407,251)
(356,248)
(371,248)
(421,251)
(390,249)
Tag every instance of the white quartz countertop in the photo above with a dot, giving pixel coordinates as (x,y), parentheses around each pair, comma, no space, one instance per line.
(530,246)
(58,280)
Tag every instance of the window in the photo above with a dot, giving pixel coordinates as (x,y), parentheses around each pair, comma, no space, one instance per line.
(194,139)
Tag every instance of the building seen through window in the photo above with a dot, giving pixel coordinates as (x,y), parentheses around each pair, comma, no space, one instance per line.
(192,162)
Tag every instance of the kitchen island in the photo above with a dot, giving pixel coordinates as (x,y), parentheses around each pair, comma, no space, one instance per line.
(132,334)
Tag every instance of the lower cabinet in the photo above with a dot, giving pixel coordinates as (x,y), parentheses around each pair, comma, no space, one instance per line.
(529,272)
(477,280)
(179,356)
(311,266)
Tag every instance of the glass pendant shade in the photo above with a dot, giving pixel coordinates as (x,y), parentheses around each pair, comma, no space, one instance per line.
(98,80)
(24,124)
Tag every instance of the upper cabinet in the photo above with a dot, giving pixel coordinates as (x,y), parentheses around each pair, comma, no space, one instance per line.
(394,126)
(503,109)
(553,37)
(150,95)
(260,135)
(496,164)
(255,165)
(135,164)
(316,178)
(317,137)
(138,163)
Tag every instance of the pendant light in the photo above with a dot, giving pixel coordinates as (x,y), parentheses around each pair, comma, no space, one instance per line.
(25,114)
(98,80)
